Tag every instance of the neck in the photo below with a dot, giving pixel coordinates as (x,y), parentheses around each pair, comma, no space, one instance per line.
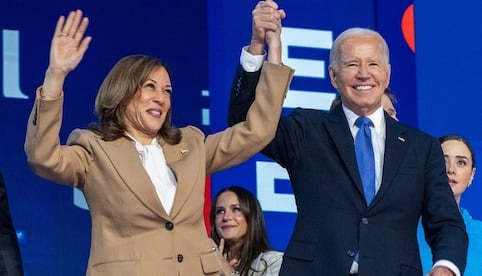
(457,199)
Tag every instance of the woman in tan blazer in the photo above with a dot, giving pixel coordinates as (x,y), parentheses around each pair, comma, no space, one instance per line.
(143,179)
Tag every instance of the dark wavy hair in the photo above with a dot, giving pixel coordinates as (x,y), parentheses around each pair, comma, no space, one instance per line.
(459,138)
(256,239)
(117,90)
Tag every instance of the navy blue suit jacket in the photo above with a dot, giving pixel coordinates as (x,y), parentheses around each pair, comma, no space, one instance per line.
(334,221)
(10,258)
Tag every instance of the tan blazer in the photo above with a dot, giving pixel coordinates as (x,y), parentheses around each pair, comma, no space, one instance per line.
(131,232)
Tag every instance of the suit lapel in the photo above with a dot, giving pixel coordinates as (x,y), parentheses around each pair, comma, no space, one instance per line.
(337,127)
(124,156)
(174,154)
(396,145)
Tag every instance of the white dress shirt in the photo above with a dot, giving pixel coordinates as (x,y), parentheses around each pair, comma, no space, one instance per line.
(161,175)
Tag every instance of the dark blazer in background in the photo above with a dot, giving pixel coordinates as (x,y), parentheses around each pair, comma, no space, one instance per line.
(10,259)
(333,221)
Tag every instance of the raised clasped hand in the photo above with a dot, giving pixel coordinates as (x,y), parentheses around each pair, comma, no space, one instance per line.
(266,25)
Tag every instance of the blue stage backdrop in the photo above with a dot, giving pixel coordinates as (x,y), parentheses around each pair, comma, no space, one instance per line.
(448,38)
(201,42)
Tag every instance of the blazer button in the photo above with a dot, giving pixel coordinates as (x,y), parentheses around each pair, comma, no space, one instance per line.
(180,257)
(364,220)
(350,253)
(169,226)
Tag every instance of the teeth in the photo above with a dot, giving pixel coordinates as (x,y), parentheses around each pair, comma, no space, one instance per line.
(155,112)
(363,87)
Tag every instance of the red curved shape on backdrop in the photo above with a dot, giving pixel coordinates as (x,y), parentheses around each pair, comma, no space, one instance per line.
(408,27)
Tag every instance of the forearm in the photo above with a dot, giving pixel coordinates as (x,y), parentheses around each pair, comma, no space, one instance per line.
(42,143)
(240,142)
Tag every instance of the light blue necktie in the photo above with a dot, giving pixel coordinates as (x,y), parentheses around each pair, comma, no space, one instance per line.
(365,158)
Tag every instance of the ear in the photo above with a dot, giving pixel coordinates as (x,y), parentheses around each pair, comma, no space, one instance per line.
(333,77)
(471,177)
(389,73)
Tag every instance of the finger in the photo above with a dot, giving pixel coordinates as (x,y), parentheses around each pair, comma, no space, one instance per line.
(68,23)
(269,3)
(282,14)
(233,263)
(84,45)
(75,22)
(79,33)
(266,25)
(221,245)
(58,27)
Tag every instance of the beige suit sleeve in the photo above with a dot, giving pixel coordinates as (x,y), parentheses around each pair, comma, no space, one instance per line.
(45,154)
(241,141)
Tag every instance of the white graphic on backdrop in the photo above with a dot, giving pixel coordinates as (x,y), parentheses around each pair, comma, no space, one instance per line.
(307,38)
(11,65)
(268,172)
(266,175)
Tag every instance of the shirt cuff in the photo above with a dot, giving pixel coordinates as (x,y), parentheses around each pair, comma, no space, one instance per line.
(449,265)
(251,63)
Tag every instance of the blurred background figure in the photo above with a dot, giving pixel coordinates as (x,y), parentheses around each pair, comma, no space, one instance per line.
(238,226)
(460,163)
(10,258)
(389,100)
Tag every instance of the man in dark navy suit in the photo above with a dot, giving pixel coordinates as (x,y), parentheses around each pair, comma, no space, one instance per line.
(10,259)
(339,230)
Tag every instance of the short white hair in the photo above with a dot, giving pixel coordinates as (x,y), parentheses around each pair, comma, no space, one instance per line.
(355,32)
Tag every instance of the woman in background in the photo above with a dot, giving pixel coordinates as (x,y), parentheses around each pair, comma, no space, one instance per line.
(460,163)
(238,226)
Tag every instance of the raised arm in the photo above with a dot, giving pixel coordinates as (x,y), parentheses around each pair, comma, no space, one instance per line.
(241,141)
(45,155)
(266,29)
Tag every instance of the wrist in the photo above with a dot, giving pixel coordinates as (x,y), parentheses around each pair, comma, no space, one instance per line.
(256,49)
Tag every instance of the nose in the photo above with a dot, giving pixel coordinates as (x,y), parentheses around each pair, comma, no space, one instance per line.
(160,98)
(226,216)
(450,167)
(363,72)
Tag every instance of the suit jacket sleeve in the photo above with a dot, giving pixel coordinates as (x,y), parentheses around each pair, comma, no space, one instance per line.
(10,258)
(241,141)
(242,94)
(45,155)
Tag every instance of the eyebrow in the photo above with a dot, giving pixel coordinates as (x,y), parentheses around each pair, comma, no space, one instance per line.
(154,81)
(461,157)
(458,156)
(232,205)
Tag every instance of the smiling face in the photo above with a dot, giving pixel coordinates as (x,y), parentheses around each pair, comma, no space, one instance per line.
(361,73)
(230,222)
(459,164)
(147,110)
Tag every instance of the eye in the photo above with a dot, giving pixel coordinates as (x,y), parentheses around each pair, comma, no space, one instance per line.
(150,85)
(219,211)
(168,91)
(236,209)
(461,163)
